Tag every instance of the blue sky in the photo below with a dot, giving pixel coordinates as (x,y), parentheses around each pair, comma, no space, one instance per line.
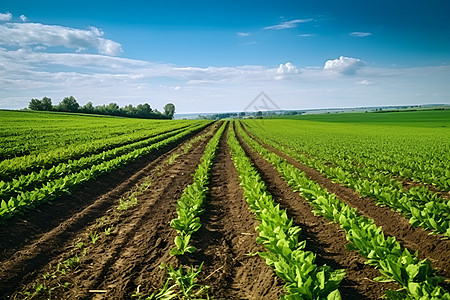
(209,56)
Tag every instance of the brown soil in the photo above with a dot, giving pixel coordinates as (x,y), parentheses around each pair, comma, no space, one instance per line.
(129,258)
(227,238)
(407,184)
(433,247)
(38,239)
(324,238)
(25,228)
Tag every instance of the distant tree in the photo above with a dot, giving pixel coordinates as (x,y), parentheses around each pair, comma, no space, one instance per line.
(68,104)
(35,104)
(113,109)
(88,108)
(169,110)
(47,104)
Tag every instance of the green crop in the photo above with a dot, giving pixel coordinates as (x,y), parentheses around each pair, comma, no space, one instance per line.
(304,279)
(373,160)
(190,204)
(66,183)
(416,277)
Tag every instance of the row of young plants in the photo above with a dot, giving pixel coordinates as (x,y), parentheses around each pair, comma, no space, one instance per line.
(40,132)
(35,179)
(416,277)
(182,282)
(190,204)
(61,186)
(285,253)
(56,280)
(12,168)
(418,155)
(421,206)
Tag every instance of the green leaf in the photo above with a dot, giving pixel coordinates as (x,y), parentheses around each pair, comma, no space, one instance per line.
(334,295)
(383,279)
(190,249)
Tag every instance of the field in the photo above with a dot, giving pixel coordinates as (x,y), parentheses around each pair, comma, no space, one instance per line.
(333,206)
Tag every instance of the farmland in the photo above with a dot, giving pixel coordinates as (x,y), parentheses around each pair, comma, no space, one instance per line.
(339,206)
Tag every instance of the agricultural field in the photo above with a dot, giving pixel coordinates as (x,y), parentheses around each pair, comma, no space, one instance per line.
(339,206)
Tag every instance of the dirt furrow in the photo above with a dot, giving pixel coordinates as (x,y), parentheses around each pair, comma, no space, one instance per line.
(325,239)
(25,263)
(23,230)
(433,247)
(227,239)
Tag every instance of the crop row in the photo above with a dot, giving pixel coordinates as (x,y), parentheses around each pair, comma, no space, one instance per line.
(190,204)
(286,254)
(416,277)
(416,155)
(24,133)
(422,207)
(182,282)
(12,168)
(65,184)
(33,180)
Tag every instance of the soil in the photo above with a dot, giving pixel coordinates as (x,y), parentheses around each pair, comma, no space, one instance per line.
(36,248)
(229,236)
(433,247)
(128,259)
(408,184)
(37,239)
(324,238)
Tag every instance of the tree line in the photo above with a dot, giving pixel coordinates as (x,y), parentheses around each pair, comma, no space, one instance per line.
(70,104)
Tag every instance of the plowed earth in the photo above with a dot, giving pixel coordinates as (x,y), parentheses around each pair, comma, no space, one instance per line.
(119,253)
(433,247)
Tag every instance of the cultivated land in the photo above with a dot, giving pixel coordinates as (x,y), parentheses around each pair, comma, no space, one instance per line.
(351,206)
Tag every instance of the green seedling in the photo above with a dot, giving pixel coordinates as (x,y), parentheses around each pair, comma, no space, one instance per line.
(94,237)
(108,231)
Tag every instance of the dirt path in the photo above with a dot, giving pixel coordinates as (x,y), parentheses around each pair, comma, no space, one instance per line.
(47,249)
(325,239)
(228,236)
(432,247)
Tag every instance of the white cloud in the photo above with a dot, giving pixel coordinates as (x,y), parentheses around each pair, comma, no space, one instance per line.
(5,17)
(344,65)
(306,35)
(285,70)
(243,34)
(23,18)
(360,34)
(288,24)
(364,82)
(23,34)
(26,74)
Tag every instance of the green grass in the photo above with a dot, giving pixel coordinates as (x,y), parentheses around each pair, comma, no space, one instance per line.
(437,118)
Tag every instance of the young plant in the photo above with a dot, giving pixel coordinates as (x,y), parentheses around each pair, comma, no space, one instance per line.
(94,236)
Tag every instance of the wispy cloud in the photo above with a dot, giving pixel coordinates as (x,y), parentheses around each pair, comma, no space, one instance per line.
(22,34)
(360,34)
(5,17)
(344,65)
(243,34)
(26,74)
(30,68)
(364,82)
(249,43)
(288,24)
(23,18)
(306,35)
